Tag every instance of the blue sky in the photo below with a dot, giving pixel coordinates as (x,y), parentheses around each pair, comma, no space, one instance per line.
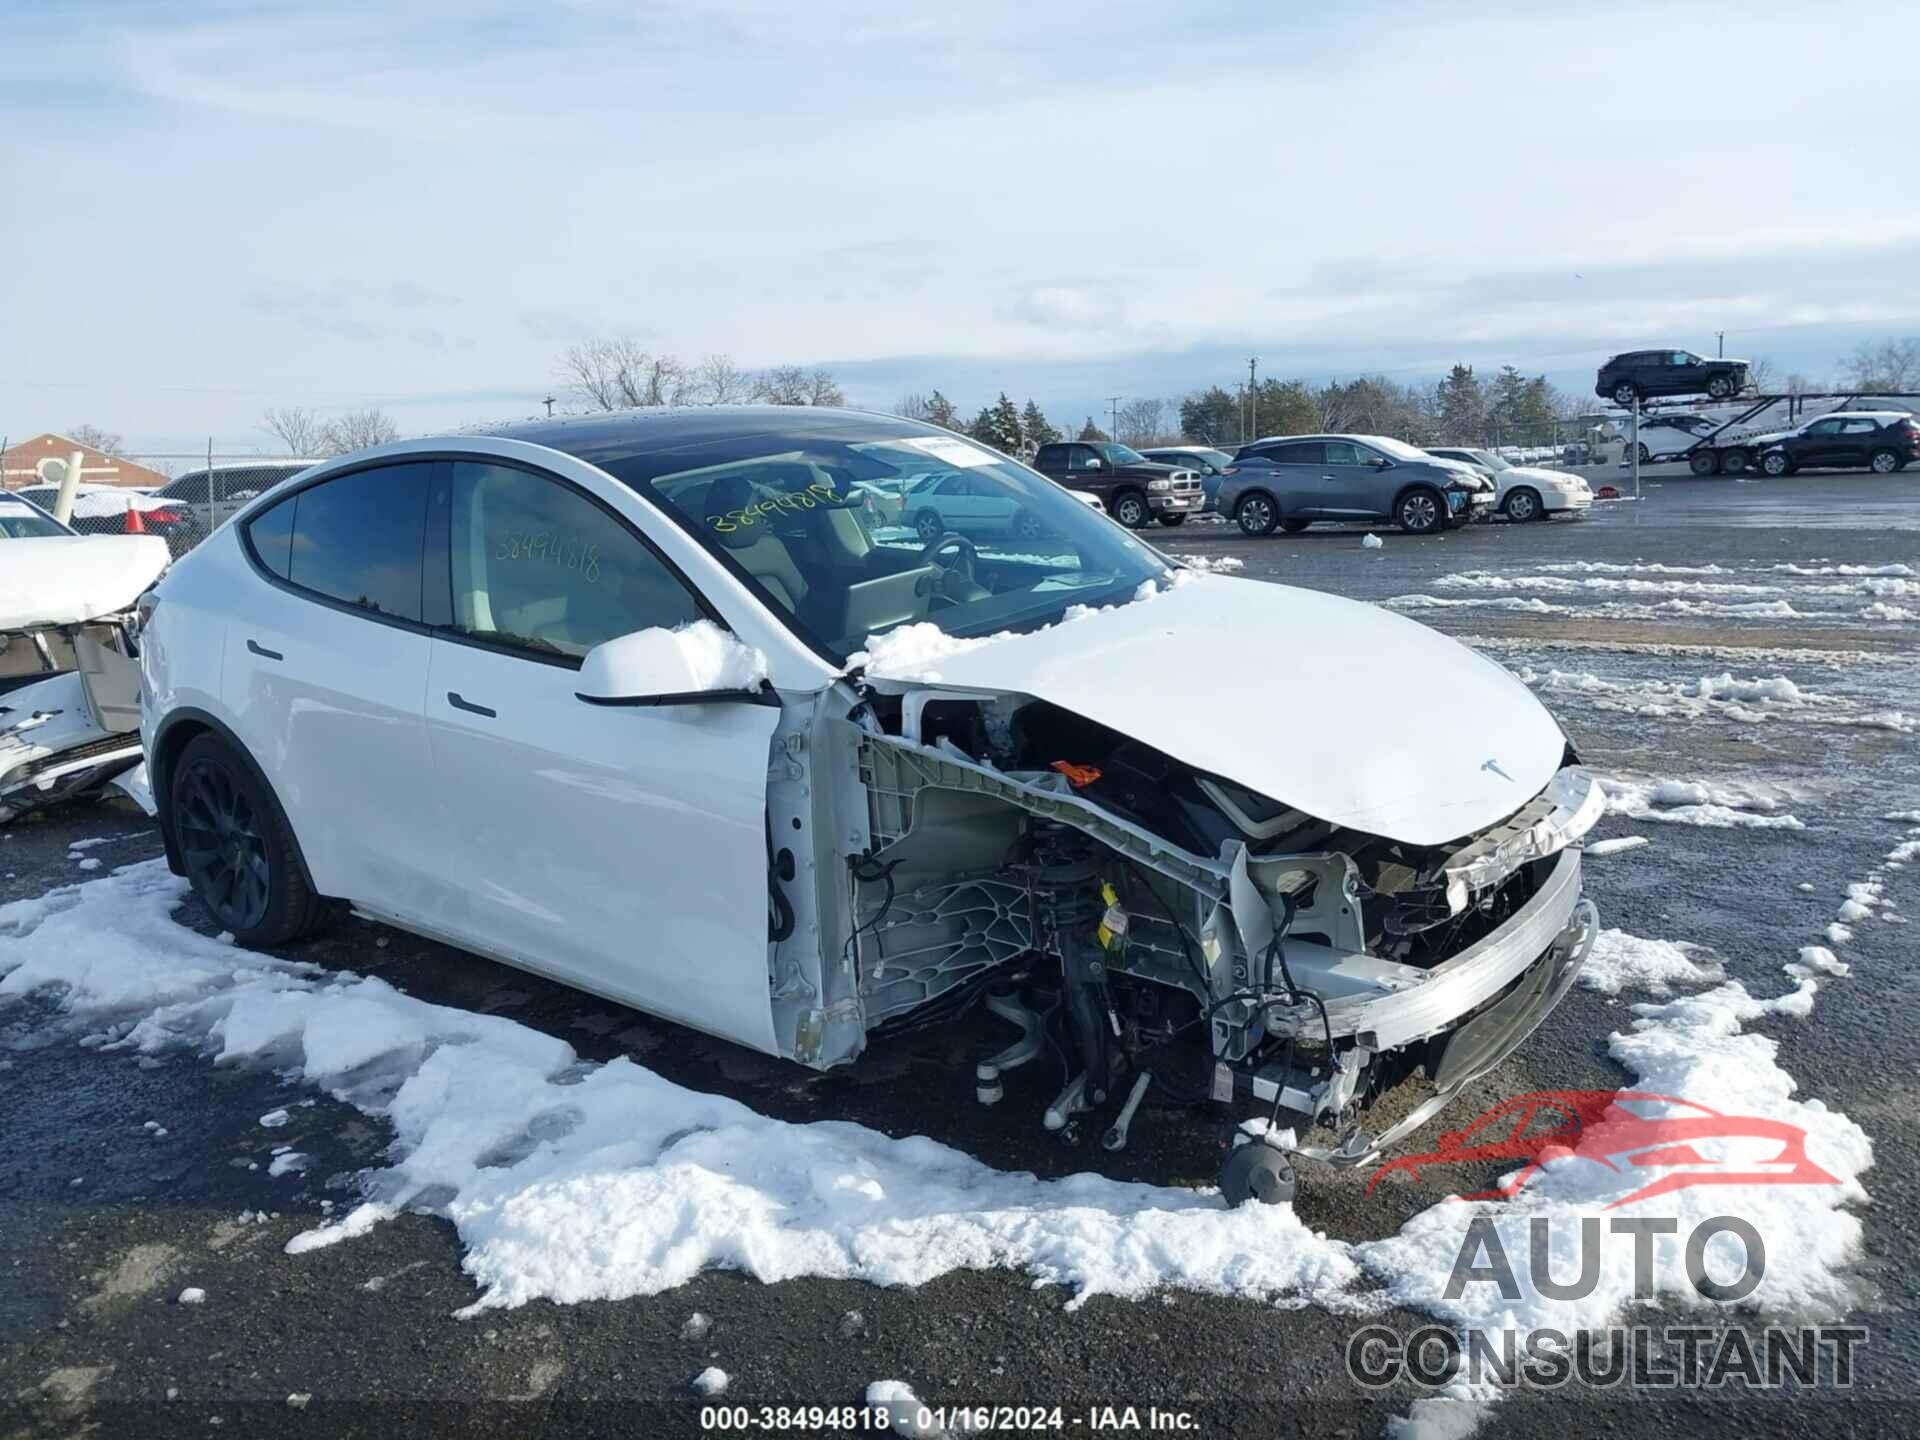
(217,208)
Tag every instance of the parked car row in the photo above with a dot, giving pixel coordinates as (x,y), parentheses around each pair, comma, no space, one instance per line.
(119,510)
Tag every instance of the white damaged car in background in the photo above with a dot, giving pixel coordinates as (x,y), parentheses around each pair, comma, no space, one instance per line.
(641,703)
(69,680)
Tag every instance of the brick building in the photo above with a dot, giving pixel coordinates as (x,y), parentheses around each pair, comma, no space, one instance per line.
(26,464)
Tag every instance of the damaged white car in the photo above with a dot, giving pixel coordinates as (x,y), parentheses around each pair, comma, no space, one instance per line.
(69,683)
(643,704)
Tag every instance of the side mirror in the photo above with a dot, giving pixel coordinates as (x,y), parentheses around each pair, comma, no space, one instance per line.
(1380,462)
(1096,463)
(697,664)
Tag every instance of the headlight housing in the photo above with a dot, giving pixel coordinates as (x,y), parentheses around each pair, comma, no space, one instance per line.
(1159,486)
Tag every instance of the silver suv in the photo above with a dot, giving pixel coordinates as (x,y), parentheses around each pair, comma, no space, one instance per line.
(1290,481)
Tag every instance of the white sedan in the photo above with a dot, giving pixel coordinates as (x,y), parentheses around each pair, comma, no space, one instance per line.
(1526,492)
(638,702)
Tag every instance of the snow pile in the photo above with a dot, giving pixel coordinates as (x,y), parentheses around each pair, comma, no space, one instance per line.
(902,1408)
(1846,570)
(1372,542)
(909,650)
(572,1182)
(1615,846)
(1445,1418)
(1686,802)
(710,1381)
(718,661)
(1618,960)
(1213,565)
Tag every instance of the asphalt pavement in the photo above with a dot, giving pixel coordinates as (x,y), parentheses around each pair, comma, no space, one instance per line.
(105,1224)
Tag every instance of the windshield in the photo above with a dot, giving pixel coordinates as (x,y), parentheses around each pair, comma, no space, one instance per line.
(1117,454)
(884,523)
(19,521)
(1488,459)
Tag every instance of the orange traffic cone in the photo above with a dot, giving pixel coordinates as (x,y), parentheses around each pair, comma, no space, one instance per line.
(135,525)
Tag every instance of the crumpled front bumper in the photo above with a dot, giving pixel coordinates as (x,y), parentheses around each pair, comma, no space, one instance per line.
(52,746)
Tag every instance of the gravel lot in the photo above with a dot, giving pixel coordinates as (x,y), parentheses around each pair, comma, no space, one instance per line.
(106,1222)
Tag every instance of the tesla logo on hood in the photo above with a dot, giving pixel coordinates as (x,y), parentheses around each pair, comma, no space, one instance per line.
(1494,766)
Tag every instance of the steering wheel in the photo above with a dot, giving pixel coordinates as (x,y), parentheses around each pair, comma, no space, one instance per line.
(951,540)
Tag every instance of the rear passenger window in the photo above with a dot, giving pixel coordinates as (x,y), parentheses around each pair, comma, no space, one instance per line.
(540,567)
(357,538)
(271,535)
(1309,452)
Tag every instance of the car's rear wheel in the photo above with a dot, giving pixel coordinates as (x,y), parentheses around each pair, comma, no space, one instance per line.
(1130,509)
(1294,527)
(1704,462)
(1720,387)
(1733,462)
(1625,394)
(929,526)
(1775,462)
(1645,458)
(239,853)
(1420,512)
(1027,526)
(1256,515)
(1524,504)
(1884,462)
(1172,520)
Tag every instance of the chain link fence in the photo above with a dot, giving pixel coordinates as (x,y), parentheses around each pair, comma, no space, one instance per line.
(199,494)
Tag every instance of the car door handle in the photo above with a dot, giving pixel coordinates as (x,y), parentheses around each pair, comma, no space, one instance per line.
(265,654)
(453,699)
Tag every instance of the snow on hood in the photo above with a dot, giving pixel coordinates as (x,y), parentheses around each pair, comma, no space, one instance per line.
(1348,712)
(1539,475)
(68,579)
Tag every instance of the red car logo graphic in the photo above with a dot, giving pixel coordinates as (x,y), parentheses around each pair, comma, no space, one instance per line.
(1691,1144)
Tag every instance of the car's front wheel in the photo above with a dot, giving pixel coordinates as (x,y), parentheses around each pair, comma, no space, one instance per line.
(1524,504)
(1256,515)
(1775,463)
(1172,520)
(1644,456)
(1625,394)
(1420,512)
(239,853)
(1130,509)
(1884,462)
(1027,526)
(1720,387)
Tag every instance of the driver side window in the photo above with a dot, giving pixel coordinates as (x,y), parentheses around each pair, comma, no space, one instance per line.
(537,566)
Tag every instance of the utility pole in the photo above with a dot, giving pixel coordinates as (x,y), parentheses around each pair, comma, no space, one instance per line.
(548,402)
(1253,399)
(1113,412)
(1720,352)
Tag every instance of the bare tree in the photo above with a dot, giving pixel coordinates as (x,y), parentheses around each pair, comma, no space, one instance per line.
(107,442)
(1761,373)
(620,374)
(357,430)
(1798,384)
(301,430)
(1139,421)
(719,381)
(913,407)
(796,385)
(1884,365)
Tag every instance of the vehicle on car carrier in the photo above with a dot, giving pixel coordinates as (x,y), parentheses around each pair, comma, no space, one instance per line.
(640,703)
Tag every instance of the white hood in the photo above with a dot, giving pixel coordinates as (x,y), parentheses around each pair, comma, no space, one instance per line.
(1351,713)
(70,579)
(1535,475)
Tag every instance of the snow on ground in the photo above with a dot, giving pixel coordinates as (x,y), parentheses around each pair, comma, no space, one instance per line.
(710,1381)
(1615,846)
(572,1181)
(1688,802)
(1743,700)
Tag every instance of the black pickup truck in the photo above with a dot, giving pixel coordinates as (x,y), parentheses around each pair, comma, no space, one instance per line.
(1135,490)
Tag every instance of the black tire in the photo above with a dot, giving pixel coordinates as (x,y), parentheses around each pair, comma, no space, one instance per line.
(1645,458)
(1776,463)
(1421,511)
(1704,462)
(1294,527)
(1523,504)
(929,526)
(1884,462)
(1173,521)
(1130,508)
(239,852)
(1720,387)
(1027,526)
(1625,394)
(1256,514)
(1732,462)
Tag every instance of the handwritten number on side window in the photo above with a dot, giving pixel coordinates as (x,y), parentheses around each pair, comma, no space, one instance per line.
(566,552)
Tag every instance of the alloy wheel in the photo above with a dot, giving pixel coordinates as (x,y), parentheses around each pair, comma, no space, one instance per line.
(1420,512)
(1256,515)
(1884,462)
(222,845)
(1130,511)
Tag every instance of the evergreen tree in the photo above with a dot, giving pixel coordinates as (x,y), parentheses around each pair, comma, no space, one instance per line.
(940,412)
(1214,416)
(998,425)
(1039,430)
(1091,431)
(1462,407)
